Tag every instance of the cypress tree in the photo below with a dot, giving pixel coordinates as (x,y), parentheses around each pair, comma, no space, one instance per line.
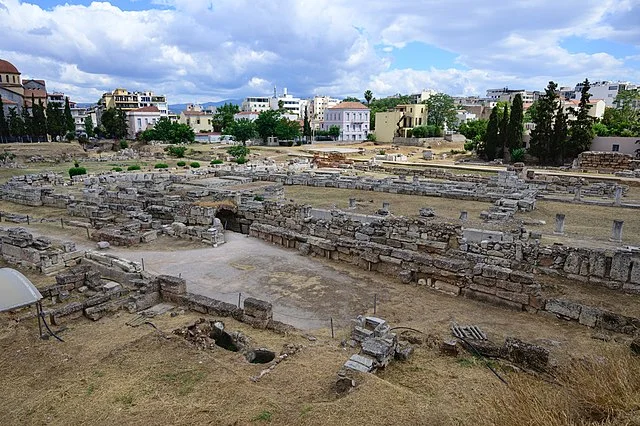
(4,127)
(560,133)
(28,124)
(542,136)
(581,131)
(516,123)
(503,136)
(69,124)
(492,135)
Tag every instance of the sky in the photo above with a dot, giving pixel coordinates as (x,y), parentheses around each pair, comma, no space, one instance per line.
(210,50)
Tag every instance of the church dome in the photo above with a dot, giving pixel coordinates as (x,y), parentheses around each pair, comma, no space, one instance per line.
(7,67)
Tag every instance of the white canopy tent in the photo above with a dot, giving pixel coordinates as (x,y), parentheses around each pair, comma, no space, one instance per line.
(16,290)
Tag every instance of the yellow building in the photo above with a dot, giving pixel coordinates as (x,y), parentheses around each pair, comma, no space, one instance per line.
(128,101)
(399,121)
(198,119)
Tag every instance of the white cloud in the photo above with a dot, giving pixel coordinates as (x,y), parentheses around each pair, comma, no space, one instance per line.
(202,50)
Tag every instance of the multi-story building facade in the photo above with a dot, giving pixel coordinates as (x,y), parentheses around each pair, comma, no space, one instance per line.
(80,116)
(256,104)
(507,95)
(199,119)
(606,90)
(128,101)
(351,117)
(291,104)
(317,107)
(141,119)
(399,121)
(418,98)
(11,88)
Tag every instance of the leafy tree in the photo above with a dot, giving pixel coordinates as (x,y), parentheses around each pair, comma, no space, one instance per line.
(543,137)
(531,112)
(223,118)
(287,129)
(441,111)
(15,124)
(266,124)
(4,126)
(491,136)
(242,130)
(88,126)
(581,132)
(368,95)
(114,122)
(429,131)
(334,131)
(167,131)
(624,120)
(474,130)
(350,99)
(69,123)
(238,151)
(516,124)
(281,105)
(601,129)
(560,134)
(503,134)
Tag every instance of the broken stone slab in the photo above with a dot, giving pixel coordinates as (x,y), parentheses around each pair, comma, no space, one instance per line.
(380,349)
(526,354)
(404,352)
(171,284)
(449,347)
(103,245)
(360,334)
(259,309)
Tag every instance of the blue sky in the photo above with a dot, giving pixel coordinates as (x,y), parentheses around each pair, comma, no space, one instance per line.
(201,50)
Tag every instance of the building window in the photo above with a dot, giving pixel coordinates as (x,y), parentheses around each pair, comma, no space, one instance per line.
(139,123)
(615,148)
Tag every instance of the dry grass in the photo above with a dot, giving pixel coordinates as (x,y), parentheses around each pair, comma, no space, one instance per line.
(595,391)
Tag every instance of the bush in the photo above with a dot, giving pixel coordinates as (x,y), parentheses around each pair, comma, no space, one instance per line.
(371,137)
(517,155)
(238,151)
(217,161)
(7,156)
(181,164)
(470,145)
(124,144)
(70,136)
(82,139)
(176,151)
(76,171)
(133,167)
(116,169)
(382,152)
(194,165)
(161,166)
(241,160)
(455,151)
(258,198)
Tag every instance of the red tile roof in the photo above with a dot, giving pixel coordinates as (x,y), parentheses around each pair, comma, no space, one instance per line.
(147,109)
(349,105)
(193,113)
(7,67)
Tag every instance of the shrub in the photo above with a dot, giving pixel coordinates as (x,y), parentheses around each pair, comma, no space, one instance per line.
(82,139)
(194,165)
(161,166)
(299,142)
(70,136)
(124,144)
(455,151)
(382,152)
(241,160)
(181,164)
(76,171)
(238,151)
(176,151)
(258,198)
(517,155)
(7,156)
(76,164)
(371,137)
(133,167)
(217,161)
(116,169)
(470,145)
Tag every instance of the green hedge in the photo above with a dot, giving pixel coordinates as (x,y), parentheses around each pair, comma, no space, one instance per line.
(181,164)
(77,171)
(133,167)
(161,166)
(217,161)
(116,169)
(194,165)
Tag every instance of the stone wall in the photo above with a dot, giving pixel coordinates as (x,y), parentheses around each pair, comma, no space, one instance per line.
(604,162)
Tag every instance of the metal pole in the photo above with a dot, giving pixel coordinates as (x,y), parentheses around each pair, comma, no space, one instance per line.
(28,223)
(239,296)
(62,223)
(332,335)
(88,235)
(375,302)
(38,308)
(142,263)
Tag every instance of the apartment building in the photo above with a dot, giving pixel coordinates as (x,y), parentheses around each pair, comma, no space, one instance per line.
(141,119)
(606,90)
(317,107)
(507,95)
(256,104)
(399,121)
(291,104)
(351,117)
(128,101)
(199,119)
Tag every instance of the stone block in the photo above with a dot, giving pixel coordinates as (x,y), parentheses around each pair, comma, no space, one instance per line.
(564,308)
(509,286)
(490,298)
(526,354)
(514,297)
(446,287)
(487,282)
(589,316)
(491,271)
(620,266)
(171,284)
(572,263)
(257,308)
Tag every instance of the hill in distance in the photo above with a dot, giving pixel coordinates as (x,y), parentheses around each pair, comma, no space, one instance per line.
(177,108)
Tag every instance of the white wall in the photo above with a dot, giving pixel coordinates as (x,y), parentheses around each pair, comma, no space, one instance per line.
(606,144)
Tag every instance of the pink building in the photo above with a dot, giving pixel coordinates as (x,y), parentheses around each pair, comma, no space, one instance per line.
(351,117)
(141,119)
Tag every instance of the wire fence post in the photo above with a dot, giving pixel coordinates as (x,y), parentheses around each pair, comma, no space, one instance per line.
(375,303)
(28,222)
(142,258)
(88,235)
(62,223)
(332,334)
(239,296)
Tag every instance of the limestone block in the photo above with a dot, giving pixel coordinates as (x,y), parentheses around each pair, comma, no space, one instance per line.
(446,287)
(620,266)
(564,308)
(572,263)
(513,296)
(589,316)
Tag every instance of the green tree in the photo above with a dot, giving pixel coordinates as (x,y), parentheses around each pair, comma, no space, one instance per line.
(516,124)
(55,121)
(167,131)
(114,121)
(88,126)
(581,132)
(281,105)
(441,111)
(16,125)
(39,122)
(242,130)
(287,129)
(306,127)
(491,138)
(223,118)
(560,135)
(334,131)
(28,124)
(4,126)
(601,129)
(474,130)
(503,135)
(266,124)
(350,99)
(69,123)
(368,95)
(543,138)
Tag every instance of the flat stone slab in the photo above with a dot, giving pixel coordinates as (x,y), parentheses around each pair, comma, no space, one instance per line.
(103,245)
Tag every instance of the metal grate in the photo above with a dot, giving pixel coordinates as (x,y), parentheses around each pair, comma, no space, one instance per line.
(468,332)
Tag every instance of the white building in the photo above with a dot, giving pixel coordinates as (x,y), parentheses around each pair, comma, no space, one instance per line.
(351,117)
(317,106)
(256,104)
(419,98)
(80,116)
(129,101)
(464,116)
(141,119)
(605,90)
(596,111)
(252,116)
(507,95)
